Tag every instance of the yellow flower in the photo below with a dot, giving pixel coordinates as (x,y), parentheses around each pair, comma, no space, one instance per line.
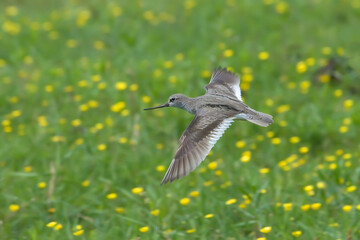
(315,206)
(116,11)
(160,168)
(14,207)
(85,183)
(11,11)
(310,61)
(246,156)
(324,78)
(212,165)
(326,50)
(58,227)
(117,107)
(247,78)
(155,212)
(210,215)
(149,15)
(338,93)
(276,141)
(341,51)
(120,210)
(144,229)
(111,196)
(11,28)
(184,201)
(194,194)
(42,185)
(283,108)
(263,170)
(333,166)
(351,188)
(348,103)
(79,141)
(305,207)
(303,150)
(189,4)
(296,233)
(294,139)
(76,122)
(168,64)
(137,190)
(261,238)
(320,185)
(27,169)
(125,112)
(281,7)
(265,229)
(230,201)
(228,53)
(51,224)
(263,55)
(240,144)
(191,230)
(101,147)
(287,206)
(78,233)
(145,99)
(99,45)
(301,67)
(121,86)
(134,87)
(347,208)
(343,129)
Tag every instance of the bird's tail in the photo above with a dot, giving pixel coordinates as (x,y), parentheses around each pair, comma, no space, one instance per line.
(258,118)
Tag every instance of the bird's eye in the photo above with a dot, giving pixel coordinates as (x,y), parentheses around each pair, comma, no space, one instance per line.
(172,99)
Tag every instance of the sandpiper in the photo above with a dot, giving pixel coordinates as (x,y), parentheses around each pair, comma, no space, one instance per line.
(214,112)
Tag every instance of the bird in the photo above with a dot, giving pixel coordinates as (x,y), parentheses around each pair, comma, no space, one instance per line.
(214,112)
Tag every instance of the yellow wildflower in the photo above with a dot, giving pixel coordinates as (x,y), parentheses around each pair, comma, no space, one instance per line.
(184,201)
(347,208)
(230,201)
(79,232)
(265,229)
(111,196)
(14,207)
(137,190)
(155,212)
(296,233)
(194,193)
(263,55)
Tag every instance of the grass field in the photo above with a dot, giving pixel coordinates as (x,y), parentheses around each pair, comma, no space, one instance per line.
(80,159)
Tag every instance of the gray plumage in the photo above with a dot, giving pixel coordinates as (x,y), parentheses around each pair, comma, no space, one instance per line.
(214,112)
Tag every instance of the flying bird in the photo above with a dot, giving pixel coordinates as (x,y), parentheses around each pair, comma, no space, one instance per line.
(214,112)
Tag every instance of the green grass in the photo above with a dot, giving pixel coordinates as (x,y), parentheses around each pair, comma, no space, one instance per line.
(62,61)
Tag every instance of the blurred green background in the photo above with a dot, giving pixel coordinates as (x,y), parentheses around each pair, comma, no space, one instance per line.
(80,159)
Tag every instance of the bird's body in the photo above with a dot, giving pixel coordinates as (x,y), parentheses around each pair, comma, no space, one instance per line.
(214,112)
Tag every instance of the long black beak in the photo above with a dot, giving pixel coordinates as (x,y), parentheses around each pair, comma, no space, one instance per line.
(161,106)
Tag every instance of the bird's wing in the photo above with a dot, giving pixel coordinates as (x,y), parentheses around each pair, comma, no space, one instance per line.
(224,82)
(195,144)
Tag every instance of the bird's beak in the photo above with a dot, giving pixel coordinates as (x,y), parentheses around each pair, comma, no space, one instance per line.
(161,106)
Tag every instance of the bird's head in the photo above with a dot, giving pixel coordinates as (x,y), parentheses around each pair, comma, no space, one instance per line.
(175,100)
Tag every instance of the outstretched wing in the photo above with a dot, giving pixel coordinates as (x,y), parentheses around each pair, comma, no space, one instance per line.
(195,144)
(224,83)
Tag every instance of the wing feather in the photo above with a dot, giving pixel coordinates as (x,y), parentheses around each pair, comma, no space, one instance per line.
(224,83)
(195,144)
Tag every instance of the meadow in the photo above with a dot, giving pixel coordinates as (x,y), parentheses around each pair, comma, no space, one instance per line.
(80,159)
